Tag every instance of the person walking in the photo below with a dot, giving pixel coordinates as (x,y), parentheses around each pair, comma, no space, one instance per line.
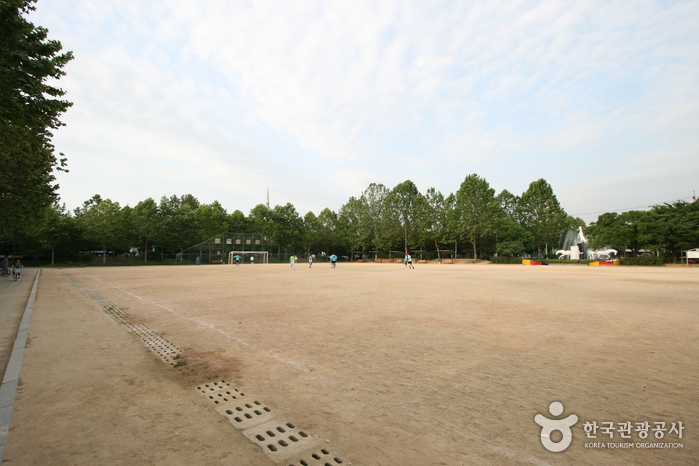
(310,261)
(409,261)
(333,260)
(292,260)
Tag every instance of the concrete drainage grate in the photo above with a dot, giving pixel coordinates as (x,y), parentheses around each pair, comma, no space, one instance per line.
(215,387)
(109,307)
(320,457)
(240,410)
(247,415)
(159,345)
(280,440)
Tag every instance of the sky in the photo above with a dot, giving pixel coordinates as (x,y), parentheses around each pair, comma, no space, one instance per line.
(315,100)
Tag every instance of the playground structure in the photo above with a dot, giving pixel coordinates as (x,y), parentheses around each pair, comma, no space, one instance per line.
(222,248)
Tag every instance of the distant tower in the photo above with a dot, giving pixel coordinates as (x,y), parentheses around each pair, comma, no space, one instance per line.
(268,197)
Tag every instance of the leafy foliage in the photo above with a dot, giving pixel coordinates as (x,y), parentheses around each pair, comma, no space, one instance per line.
(29,112)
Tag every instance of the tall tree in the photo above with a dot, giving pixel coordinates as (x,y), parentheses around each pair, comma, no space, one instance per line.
(101,221)
(311,233)
(477,210)
(212,219)
(542,214)
(177,226)
(406,202)
(237,223)
(434,221)
(328,230)
(29,111)
(59,228)
(354,229)
(145,220)
(675,227)
(512,238)
(629,230)
(376,218)
(288,227)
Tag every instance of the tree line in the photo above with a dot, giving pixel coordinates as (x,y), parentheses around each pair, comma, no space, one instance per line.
(668,228)
(471,222)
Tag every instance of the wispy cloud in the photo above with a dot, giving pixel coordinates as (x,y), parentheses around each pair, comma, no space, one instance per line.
(289,92)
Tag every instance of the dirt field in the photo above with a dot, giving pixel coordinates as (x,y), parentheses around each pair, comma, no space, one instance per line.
(374,364)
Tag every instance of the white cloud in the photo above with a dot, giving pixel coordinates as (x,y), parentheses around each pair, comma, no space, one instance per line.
(372,91)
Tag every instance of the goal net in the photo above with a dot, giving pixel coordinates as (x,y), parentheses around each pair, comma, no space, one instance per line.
(249,257)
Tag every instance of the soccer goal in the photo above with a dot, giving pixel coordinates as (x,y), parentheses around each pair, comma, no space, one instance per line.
(260,257)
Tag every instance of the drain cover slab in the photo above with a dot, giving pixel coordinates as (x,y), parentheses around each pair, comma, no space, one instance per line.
(220,392)
(244,414)
(319,457)
(280,440)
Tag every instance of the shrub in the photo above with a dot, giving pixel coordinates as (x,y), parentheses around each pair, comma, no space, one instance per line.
(648,260)
(505,260)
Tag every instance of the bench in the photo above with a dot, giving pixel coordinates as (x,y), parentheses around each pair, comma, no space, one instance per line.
(421,261)
(447,261)
(217,262)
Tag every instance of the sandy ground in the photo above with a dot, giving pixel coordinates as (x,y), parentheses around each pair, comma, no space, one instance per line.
(374,364)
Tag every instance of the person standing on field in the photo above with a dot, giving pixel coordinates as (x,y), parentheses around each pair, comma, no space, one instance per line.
(333,260)
(310,261)
(292,260)
(409,261)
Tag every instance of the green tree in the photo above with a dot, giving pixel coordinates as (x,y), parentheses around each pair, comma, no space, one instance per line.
(541,214)
(675,227)
(288,229)
(237,223)
(311,235)
(352,225)
(212,219)
(512,238)
(145,221)
(101,221)
(477,210)
(177,226)
(628,230)
(260,220)
(376,219)
(328,237)
(29,111)
(59,228)
(434,219)
(407,204)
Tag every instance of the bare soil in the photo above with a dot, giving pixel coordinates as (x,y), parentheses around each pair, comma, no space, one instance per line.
(379,365)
